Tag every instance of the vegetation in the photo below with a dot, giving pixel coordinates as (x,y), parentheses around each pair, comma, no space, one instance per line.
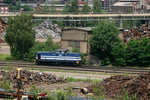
(105,37)
(20,37)
(6,57)
(34,91)
(8,1)
(47,46)
(97,7)
(27,8)
(130,24)
(72,8)
(135,53)
(86,8)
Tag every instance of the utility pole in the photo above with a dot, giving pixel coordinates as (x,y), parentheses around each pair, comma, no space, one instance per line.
(19,84)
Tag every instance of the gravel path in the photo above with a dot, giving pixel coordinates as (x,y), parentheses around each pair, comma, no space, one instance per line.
(78,75)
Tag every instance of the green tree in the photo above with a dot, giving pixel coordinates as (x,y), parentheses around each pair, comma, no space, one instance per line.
(86,8)
(74,8)
(27,8)
(97,7)
(118,53)
(53,9)
(16,6)
(105,37)
(66,9)
(19,35)
(135,53)
(12,7)
(8,1)
(130,24)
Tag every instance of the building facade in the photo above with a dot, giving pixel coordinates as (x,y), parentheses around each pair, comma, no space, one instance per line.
(4,8)
(76,38)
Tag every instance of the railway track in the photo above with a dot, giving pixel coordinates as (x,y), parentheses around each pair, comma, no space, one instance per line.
(120,70)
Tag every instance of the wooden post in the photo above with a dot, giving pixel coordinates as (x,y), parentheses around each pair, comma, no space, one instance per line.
(19,84)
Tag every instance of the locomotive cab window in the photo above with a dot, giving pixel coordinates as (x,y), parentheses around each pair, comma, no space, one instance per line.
(38,56)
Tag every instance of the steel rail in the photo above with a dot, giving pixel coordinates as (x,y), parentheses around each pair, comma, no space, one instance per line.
(70,68)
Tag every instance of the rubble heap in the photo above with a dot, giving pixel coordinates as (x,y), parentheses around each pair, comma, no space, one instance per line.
(136,33)
(46,29)
(30,78)
(2,28)
(117,86)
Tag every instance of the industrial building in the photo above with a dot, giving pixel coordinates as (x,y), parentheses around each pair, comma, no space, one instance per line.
(4,8)
(76,38)
(131,6)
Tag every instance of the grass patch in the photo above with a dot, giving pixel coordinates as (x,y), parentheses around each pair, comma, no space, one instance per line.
(71,79)
(6,57)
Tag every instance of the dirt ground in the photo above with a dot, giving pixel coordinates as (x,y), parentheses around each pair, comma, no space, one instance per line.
(64,86)
(4,48)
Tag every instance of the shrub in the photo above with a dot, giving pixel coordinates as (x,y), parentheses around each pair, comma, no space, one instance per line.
(135,53)
(47,46)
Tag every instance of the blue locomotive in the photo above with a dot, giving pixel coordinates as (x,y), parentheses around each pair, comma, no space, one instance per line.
(58,56)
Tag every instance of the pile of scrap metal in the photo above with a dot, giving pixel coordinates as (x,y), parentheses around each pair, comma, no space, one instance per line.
(2,29)
(136,33)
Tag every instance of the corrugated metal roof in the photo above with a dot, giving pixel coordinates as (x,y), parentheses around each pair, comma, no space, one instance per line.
(127,4)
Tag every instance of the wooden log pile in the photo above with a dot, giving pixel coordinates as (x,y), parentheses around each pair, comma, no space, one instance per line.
(119,85)
(140,32)
(29,78)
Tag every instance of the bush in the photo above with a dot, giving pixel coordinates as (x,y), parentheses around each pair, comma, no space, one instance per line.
(47,46)
(135,53)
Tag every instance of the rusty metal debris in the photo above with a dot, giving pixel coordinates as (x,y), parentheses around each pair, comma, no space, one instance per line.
(29,78)
(117,86)
(136,33)
(2,29)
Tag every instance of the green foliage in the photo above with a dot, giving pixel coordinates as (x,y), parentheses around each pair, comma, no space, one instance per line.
(34,90)
(105,37)
(19,35)
(83,57)
(15,7)
(6,57)
(126,96)
(75,50)
(47,46)
(27,8)
(135,53)
(73,8)
(96,7)
(68,93)
(5,84)
(130,24)
(66,9)
(12,7)
(105,61)
(60,95)
(85,9)
(118,53)
(8,1)
(98,93)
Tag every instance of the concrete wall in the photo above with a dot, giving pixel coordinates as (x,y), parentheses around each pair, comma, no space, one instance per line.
(83,47)
(74,35)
